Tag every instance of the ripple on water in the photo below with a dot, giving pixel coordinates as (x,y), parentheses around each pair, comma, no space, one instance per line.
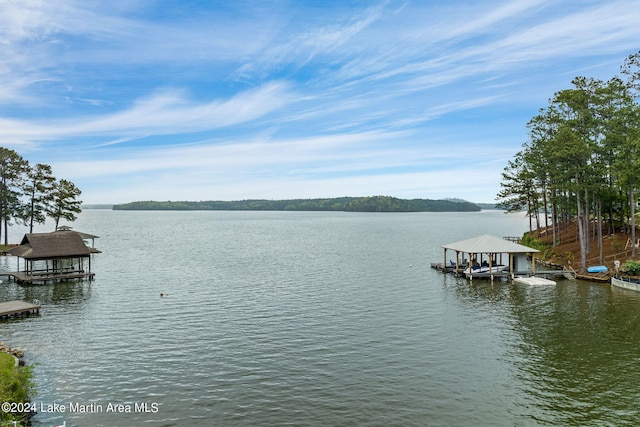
(321,319)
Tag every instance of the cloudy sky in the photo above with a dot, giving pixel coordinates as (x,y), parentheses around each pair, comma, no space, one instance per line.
(227,100)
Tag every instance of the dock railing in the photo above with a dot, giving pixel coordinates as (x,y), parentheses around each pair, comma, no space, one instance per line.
(513,239)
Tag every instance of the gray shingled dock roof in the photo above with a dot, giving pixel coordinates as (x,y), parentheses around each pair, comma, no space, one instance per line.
(488,244)
(59,244)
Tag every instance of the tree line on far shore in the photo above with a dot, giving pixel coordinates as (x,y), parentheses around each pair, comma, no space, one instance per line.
(581,161)
(29,194)
(345,204)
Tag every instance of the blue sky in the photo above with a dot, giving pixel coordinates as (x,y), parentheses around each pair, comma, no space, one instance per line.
(218,100)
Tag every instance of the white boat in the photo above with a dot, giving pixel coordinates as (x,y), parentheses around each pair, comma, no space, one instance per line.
(485,269)
(537,281)
(625,283)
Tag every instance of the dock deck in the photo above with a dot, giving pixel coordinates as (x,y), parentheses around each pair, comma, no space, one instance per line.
(44,277)
(18,308)
(547,274)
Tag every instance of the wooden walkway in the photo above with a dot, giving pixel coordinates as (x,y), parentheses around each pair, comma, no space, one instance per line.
(18,308)
(604,277)
(44,277)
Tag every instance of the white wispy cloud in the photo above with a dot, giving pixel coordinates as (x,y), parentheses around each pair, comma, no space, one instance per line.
(307,44)
(319,167)
(167,112)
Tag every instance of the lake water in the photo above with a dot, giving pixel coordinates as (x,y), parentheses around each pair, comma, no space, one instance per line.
(319,319)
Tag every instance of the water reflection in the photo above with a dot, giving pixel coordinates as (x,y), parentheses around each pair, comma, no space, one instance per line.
(576,356)
(58,293)
(317,319)
(61,293)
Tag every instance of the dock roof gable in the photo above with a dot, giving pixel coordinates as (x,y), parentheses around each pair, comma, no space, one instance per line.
(59,244)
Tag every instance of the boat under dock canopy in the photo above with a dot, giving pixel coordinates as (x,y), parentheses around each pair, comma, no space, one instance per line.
(485,255)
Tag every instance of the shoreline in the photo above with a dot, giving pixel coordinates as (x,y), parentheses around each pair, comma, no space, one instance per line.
(15,352)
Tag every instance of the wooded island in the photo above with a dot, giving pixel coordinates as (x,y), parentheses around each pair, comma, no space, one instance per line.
(345,204)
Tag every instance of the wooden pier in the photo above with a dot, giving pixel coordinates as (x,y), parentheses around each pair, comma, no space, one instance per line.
(30,278)
(18,308)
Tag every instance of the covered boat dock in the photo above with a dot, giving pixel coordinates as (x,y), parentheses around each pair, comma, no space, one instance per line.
(488,257)
(60,255)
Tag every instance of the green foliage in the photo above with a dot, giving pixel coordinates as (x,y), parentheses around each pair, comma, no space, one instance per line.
(16,386)
(38,188)
(64,202)
(532,242)
(30,194)
(12,170)
(568,255)
(582,156)
(631,268)
(347,204)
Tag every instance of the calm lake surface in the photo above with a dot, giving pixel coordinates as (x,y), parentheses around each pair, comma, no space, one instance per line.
(319,319)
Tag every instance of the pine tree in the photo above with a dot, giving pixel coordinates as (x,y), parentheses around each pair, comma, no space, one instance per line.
(64,202)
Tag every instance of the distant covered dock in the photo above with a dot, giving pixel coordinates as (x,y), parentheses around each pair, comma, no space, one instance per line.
(484,257)
(60,255)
